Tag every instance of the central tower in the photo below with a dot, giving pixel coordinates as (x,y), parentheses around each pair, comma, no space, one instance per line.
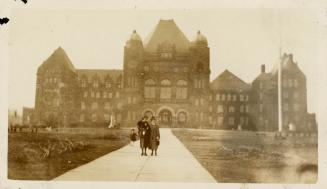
(168,75)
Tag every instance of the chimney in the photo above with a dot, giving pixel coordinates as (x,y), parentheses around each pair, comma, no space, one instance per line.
(263,68)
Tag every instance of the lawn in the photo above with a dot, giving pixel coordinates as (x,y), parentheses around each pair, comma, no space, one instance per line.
(46,155)
(249,157)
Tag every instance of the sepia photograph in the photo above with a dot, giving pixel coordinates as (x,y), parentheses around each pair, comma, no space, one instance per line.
(224,95)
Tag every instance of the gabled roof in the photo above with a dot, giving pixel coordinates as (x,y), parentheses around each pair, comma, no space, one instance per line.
(166,31)
(59,56)
(101,74)
(229,81)
(263,77)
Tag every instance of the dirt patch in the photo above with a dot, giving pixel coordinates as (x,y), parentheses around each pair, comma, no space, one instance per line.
(46,155)
(249,157)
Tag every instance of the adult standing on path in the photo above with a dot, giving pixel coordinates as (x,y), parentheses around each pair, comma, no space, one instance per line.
(155,135)
(144,132)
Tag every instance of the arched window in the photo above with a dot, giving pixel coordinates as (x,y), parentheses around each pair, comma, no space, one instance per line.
(150,89)
(165,89)
(182,118)
(181,91)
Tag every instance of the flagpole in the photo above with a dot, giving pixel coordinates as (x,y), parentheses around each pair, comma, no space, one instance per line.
(280,113)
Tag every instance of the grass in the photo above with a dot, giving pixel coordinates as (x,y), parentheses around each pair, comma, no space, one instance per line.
(46,155)
(249,157)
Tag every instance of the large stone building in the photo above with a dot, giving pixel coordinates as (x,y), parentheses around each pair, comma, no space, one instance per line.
(167,76)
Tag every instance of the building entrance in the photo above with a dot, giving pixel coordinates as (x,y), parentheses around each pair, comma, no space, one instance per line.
(165,118)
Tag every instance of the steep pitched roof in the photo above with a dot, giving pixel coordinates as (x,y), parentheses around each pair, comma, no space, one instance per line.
(288,64)
(101,74)
(166,31)
(229,81)
(59,56)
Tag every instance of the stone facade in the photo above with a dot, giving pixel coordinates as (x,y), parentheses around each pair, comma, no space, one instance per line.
(166,76)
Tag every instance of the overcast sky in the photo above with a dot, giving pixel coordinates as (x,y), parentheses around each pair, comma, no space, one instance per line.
(240,40)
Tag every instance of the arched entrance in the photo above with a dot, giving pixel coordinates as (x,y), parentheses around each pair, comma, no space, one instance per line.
(165,117)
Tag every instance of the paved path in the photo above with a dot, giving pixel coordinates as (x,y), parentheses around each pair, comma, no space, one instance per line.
(174,163)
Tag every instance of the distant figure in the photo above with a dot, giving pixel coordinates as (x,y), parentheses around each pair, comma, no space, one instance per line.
(144,133)
(132,136)
(154,136)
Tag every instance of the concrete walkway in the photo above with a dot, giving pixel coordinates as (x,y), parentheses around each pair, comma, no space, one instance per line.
(174,163)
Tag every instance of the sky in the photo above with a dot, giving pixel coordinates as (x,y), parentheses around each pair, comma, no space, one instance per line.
(240,40)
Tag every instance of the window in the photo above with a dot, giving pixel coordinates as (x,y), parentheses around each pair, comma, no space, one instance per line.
(234,97)
(231,109)
(242,108)
(108,84)
(290,82)
(210,108)
(98,94)
(119,106)
(94,117)
(95,84)
(217,97)
(210,120)
(296,83)
(202,101)
(220,120)
(165,89)
(242,97)
(85,94)
(296,107)
(107,106)
(129,100)
(181,90)
(296,95)
(182,117)
(241,120)
(247,98)
(134,100)
(94,105)
(260,120)
(82,118)
(166,55)
(83,106)
(222,97)
(150,89)
(231,121)
(109,95)
(106,117)
(247,108)
(83,84)
(201,116)
(92,94)
(196,103)
(260,85)
(220,108)
(104,94)
(117,94)
(228,97)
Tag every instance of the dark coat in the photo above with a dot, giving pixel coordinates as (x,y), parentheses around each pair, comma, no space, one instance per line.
(144,133)
(155,136)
